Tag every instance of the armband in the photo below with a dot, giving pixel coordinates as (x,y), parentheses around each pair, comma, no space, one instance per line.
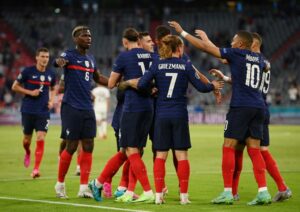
(184,33)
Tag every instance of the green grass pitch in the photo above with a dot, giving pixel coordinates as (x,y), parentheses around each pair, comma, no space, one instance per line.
(205,182)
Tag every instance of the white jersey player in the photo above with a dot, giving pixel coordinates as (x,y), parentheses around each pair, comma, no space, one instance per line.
(101,106)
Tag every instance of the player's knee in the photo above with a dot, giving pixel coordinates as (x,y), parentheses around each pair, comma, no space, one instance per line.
(88,145)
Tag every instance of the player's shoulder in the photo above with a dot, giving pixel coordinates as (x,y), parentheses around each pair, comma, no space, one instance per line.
(68,52)
(29,69)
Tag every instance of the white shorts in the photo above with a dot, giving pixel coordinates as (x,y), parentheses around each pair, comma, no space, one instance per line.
(100,115)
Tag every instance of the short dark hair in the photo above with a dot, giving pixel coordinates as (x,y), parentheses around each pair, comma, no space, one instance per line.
(257,36)
(143,34)
(246,38)
(131,34)
(41,49)
(161,31)
(77,29)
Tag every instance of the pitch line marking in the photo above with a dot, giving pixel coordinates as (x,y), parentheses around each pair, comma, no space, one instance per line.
(71,204)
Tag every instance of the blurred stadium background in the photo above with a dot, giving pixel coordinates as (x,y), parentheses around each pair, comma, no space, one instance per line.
(27,25)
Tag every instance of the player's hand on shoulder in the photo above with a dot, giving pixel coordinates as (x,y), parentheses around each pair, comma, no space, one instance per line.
(176,26)
(61,62)
(35,92)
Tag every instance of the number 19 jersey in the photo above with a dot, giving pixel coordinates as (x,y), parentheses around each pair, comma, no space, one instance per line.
(246,73)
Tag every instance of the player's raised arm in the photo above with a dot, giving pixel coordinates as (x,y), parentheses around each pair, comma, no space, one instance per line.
(204,45)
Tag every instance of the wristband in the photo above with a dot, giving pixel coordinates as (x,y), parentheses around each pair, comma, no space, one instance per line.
(184,33)
(226,79)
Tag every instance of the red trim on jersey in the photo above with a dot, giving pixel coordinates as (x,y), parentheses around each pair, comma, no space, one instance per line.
(38,82)
(80,68)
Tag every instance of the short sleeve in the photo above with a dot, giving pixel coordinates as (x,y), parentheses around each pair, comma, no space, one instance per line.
(119,64)
(23,76)
(228,53)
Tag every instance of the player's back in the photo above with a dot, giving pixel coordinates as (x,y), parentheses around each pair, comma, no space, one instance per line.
(246,73)
(133,64)
(171,79)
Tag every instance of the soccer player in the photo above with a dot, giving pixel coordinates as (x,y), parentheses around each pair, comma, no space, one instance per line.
(283,191)
(135,121)
(77,114)
(35,83)
(171,131)
(101,106)
(246,113)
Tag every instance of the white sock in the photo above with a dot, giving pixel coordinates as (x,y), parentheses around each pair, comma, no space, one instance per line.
(98,184)
(262,189)
(60,184)
(83,187)
(148,193)
(158,195)
(184,195)
(228,189)
(130,193)
(121,188)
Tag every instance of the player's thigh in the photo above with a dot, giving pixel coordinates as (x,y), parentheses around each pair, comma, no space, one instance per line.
(256,124)
(72,121)
(89,126)
(237,122)
(162,140)
(42,124)
(28,122)
(181,134)
(135,127)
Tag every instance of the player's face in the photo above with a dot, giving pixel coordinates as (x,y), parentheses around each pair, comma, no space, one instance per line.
(42,59)
(236,42)
(255,44)
(84,39)
(147,43)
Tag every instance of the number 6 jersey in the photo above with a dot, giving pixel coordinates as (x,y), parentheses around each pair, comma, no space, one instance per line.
(78,75)
(246,73)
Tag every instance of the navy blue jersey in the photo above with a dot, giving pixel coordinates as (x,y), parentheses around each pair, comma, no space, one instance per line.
(133,64)
(265,83)
(78,75)
(118,111)
(246,73)
(172,76)
(33,79)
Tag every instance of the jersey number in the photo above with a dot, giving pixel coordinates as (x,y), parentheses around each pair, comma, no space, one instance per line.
(41,88)
(172,83)
(253,75)
(142,65)
(87,76)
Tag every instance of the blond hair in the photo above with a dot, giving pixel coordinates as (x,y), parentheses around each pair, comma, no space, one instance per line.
(169,45)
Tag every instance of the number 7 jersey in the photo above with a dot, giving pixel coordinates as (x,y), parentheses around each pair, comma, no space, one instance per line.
(78,75)
(246,73)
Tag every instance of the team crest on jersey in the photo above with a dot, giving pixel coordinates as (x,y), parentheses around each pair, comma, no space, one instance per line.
(87,64)
(42,78)
(49,78)
(63,54)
